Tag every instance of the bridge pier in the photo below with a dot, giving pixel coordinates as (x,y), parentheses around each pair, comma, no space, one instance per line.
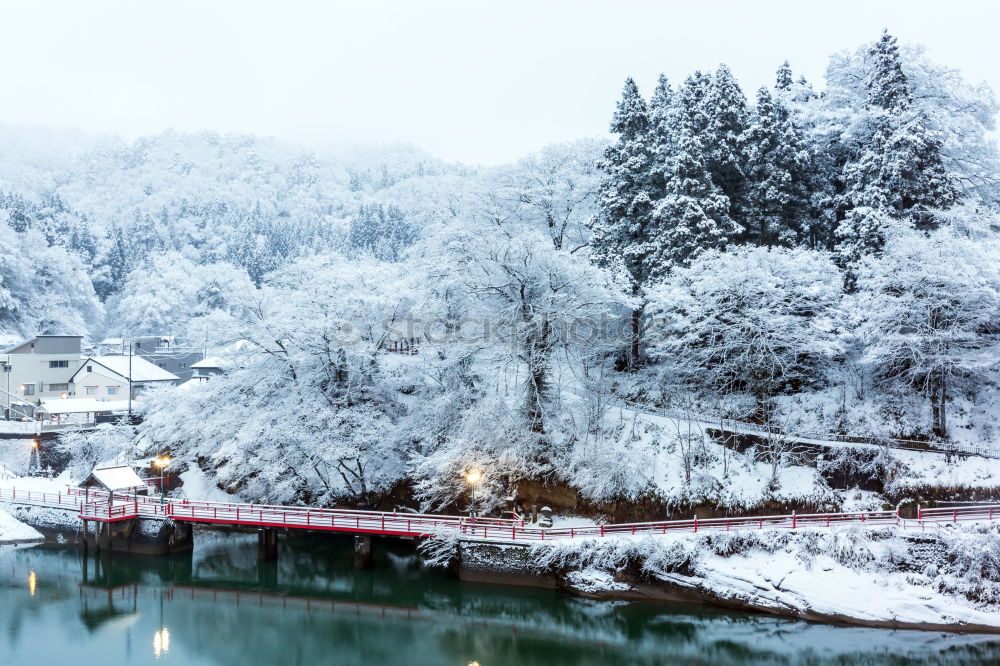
(363,552)
(267,544)
(138,536)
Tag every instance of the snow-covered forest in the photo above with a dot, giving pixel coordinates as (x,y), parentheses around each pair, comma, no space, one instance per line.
(815,255)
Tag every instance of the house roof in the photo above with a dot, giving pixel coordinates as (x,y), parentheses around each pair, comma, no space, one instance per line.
(142,370)
(82,406)
(10,349)
(117,478)
(210,362)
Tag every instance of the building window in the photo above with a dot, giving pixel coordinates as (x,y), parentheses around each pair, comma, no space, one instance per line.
(162,365)
(28,389)
(183,366)
(58,364)
(58,387)
(91,390)
(90,368)
(112,390)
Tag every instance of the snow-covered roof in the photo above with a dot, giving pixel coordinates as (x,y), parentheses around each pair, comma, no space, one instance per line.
(210,362)
(142,370)
(117,478)
(82,405)
(111,341)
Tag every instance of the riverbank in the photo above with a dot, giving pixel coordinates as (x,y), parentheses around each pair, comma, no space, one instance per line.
(943,581)
(14,532)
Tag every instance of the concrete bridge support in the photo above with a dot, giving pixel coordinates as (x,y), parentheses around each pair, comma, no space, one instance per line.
(363,552)
(139,536)
(267,544)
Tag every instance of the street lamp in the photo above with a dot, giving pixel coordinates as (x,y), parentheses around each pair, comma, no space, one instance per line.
(473,478)
(162,462)
(33,461)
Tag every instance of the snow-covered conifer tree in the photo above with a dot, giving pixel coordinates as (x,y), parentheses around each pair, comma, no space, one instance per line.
(725,109)
(778,165)
(693,215)
(898,170)
(623,227)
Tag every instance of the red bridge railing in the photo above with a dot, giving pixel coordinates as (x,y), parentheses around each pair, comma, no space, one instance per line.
(104,506)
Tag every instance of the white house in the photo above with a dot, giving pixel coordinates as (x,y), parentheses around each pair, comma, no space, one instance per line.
(37,369)
(107,377)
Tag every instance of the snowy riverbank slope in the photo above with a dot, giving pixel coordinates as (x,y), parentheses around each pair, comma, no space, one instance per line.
(14,531)
(946,580)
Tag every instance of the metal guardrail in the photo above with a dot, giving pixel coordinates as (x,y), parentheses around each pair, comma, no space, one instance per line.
(748,428)
(38,427)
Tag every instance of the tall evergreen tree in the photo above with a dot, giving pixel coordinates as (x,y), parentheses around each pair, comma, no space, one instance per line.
(664,123)
(693,216)
(691,101)
(783,79)
(725,108)
(899,171)
(623,227)
(778,165)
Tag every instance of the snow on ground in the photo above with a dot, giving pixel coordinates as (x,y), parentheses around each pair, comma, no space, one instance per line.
(861,500)
(56,484)
(14,531)
(647,453)
(936,469)
(866,575)
(198,486)
(572,521)
(595,580)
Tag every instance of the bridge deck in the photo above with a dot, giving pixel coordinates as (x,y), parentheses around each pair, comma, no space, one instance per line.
(101,506)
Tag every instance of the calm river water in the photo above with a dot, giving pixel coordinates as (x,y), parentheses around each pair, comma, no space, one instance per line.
(220,606)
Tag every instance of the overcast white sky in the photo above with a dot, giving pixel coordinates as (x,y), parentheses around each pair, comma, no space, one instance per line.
(480,82)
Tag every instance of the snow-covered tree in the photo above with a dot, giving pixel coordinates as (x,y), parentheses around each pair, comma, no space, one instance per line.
(692,216)
(778,168)
(898,165)
(381,231)
(623,231)
(753,319)
(173,295)
(557,190)
(727,116)
(304,414)
(43,289)
(927,311)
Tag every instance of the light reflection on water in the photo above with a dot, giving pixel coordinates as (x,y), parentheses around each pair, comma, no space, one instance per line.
(220,606)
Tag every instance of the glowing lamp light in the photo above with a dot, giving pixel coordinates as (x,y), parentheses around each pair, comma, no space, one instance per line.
(474,476)
(161,642)
(32,582)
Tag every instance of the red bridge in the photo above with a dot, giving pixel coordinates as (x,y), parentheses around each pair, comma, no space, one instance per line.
(104,507)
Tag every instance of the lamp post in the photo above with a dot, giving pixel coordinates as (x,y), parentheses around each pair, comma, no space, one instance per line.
(473,478)
(7,370)
(162,462)
(33,461)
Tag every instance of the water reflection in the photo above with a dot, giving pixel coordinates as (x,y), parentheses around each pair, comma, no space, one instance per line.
(161,642)
(220,606)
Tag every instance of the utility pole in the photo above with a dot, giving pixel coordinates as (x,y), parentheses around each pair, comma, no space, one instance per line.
(130,382)
(7,368)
